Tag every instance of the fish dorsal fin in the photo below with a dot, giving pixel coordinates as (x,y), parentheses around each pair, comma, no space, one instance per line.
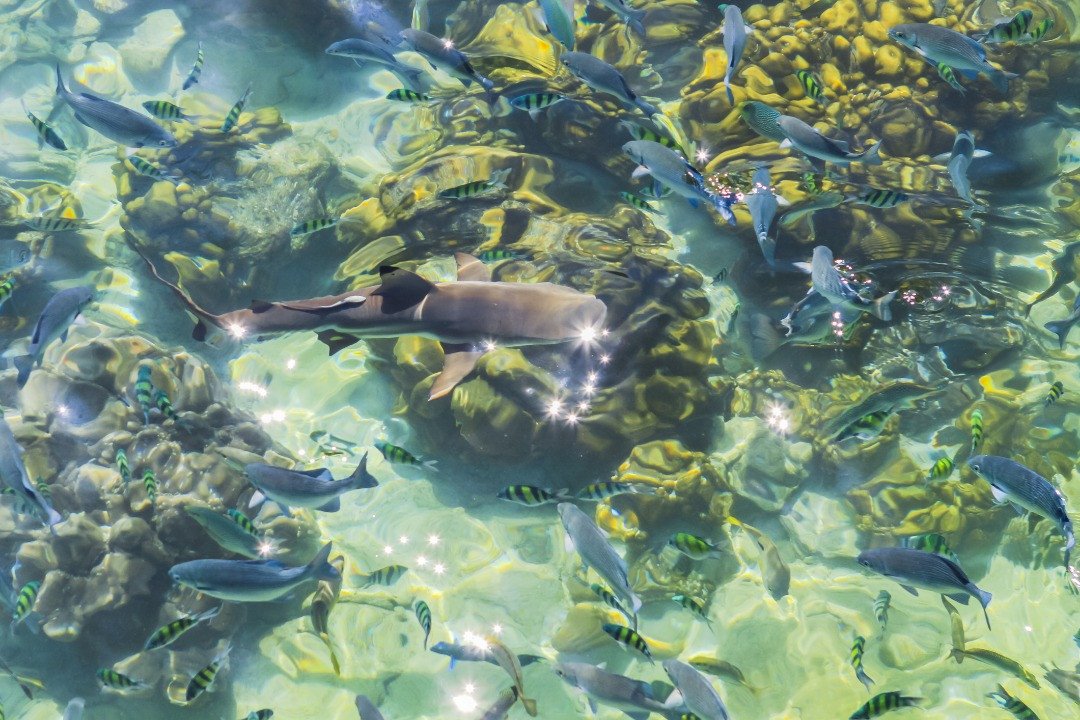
(470,268)
(260,306)
(401,289)
(460,360)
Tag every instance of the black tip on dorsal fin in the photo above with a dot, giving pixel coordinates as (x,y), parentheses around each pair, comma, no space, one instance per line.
(260,306)
(401,289)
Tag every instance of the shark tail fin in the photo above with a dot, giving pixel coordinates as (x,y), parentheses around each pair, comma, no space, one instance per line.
(360,477)
(880,307)
(203,317)
(1061,329)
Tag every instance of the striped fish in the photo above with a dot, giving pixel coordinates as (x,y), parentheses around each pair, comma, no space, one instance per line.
(857,649)
(942,468)
(164,110)
(628,637)
(610,488)
(499,254)
(170,632)
(1056,391)
(811,85)
(149,169)
(54,223)
(204,679)
(883,703)
(948,75)
(882,199)
(150,483)
(423,616)
(531,495)
(45,133)
(24,601)
(7,287)
(693,546)
(406,95)
(976,430)
(640,132)
(322,602)
(397,454)
(234,113)
(243,521)
(693,605)
(606,595)
(1039,31)
(1012,29)
(196,68)
(881,609)
(384,576)
(1013,704)
(113,680)
(533,103)
(310,226)
(634,200)
(497,181)
(122,466)
(164,404)
(144,391)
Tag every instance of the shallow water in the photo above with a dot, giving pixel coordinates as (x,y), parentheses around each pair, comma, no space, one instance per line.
(674,391)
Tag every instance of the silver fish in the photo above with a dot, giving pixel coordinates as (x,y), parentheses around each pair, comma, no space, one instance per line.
(225,531)
(475,653)
(114,121)
(251,580)
(762,204)
(889,399)
(596,552)
(13,474)
(633,697)
(929,571)
(827,281)
(671,170)
(362,52)
(1062,327)
(558,16)
(962,153)
(697,692)
(621,8)
(604,78)
(502,705)
(367,709)
(53,323)
(1010,481)
(305,488)
(443,55)
(736,32)
(803,137)
(824,201)
(942,45)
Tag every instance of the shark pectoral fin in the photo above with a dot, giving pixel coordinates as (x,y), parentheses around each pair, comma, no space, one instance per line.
(470,268)
(401,289)
(460,360)
(336,341)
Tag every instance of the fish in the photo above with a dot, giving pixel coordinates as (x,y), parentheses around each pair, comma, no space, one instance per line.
(150,483)
(496,182)
(531,495)
(963,151)
(461,314)
(164,110)
(1013,704)
(401,456)
(1012,482)
(941,468)
(227,532)
(996,659)
(1057,389)
(508,661)
(264,714)
(637,202)
(25,600)
(26,684)
(499,254)
(596,553)
(941,45)
(697,692)
(1008,29)
(533,103)
(234,113)
(932,543)
(883,703)
(363,52)
(144,390)
(946,73)
(606,595)
(1038,32)
(122,466)
(112,680)
(976,429)
(693,546)
(631,17)
(857,649)
(74,709)
(693,605)
(196,68)
(46,135)
(53,323)
(1062,328)
(881,609)
(762,203)
(7,288)
(423,616)
(1065,681)
(172,631)
(956,624)
(316,489)
(14,476)
(809,141)
(116,122)
(929,571)
(775,574)
(811,85)
(609,488)
(311,226)
(881,199)
(1064,272)
(367,709)
(149,169)
(333,441)
(54,223)
(633,697)
(442,55)
(628,637)
(475,653)
(323,600)
(558,18)
(407,95)
(203,680)
(823,201)
(762,119)
(164,404)
(502,705)
(251,580)
(640,132)
(604,78)
(736,32)
(383,576)
(721,669)
(827,281)
(670,169)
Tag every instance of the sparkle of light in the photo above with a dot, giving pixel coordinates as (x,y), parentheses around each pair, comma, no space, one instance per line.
(421,561)
(489,345)
(63,410)
(433,540)
(588,388)
(477,641)
(290,364)
(237,330)
(605,359)
(465,703)
(776,417)
(251,387)
(404,539)
(702,155)
(589,334)
(496,629)
(265,548)
(572,418)
(388,550)
(554,408)
(438,568)
(448,43)
(583,406)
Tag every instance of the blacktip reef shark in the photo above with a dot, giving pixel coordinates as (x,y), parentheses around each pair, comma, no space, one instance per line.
(467,315)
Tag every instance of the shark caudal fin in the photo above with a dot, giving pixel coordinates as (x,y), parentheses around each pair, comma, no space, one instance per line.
(203,318)
(360,477)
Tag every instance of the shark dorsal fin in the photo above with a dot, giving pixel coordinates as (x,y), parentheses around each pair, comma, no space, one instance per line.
(401,289)
(261,306)
(470,268)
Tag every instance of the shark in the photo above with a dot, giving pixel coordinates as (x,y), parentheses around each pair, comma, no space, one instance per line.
(468,316)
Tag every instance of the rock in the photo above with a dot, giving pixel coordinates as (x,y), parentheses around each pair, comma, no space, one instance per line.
(151,43)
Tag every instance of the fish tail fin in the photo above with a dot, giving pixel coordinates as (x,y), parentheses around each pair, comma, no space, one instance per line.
(984,600)
(530,705)
(333,655)
(320,565)
(360,477)
(203,317)
(60,89)
(498,178)
(764,338)
(634,20)
(865,679)
(1001,79)
(730,95)
(23,363)
(881,309)
(873,155)
(957,654)
(1061,329)
(430,465)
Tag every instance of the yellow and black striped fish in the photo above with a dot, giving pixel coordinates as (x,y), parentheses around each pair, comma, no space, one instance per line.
(24,602)
(693,605)
(976,429)
(164,110)
(1056,391)
(693,546)
(7,287)
(423,616)
(243,521)
(883,703)
(1013,704)
(812,183)
(170,632)
(857,650)
(881,609)
(150,483)
(533,103)
(234,114)
(164,404)
(122,466)
(500,254)
(948,75)
(882,199)
(628,637)
(406,95)
(144,391)
(531,495)
(632,199)
(942,468)
(54,223)
(45,133)
(149,169)
(610,488)
(606,595)
(310,226)
(640,132)
(203,679)
(1010,30)
(398,454)
(497,181)
(811,85)
(384,576)
(196,68)
(116,681)
(1039,31)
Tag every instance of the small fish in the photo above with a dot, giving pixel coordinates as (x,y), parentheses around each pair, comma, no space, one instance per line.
(889,399)
(809,141)
(45,133)
(509,662)
(531,495)
(113,680)
(227,532)
(383,576)
(857,649)
(196,68)
(942,468)
(1009,29)
(502,705)
(698,694)
(497,181)
(1013,704)
(812,183)
(149,169)
(14,477)
(397,454)
(56,318)
(7,287)
(667,167)
(324,438)
(976,429)
(234,113)
(882,199)
(164,404)
(251,580)
(533,103)
(941,45)
(604,594)
(114,121)
(264,714)
(634,697)
(423,616)
(933,543)
(622,9)
(721,669)
(693,546)
(406,95)
(586,538)
(26,684)
(474,652)
(243,521)
(635,201)
(446,57)
(762,119)
(963,152)
(811,85)
(640,132)
(956,624)
(609,488)
(602,77)
(315,489)
(1061,328)
(762,203)
(310,226)
(204,679)
(323,601)
(1038,32)
(164,110)
(736,32)
(1056,391)
(628,637)
(867,427)
(144,390)
(693,605)
(997,660)
(25,601)
(946,73)
(54,223)
(171,632)
(499,254)
(883,703)
(150,483)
